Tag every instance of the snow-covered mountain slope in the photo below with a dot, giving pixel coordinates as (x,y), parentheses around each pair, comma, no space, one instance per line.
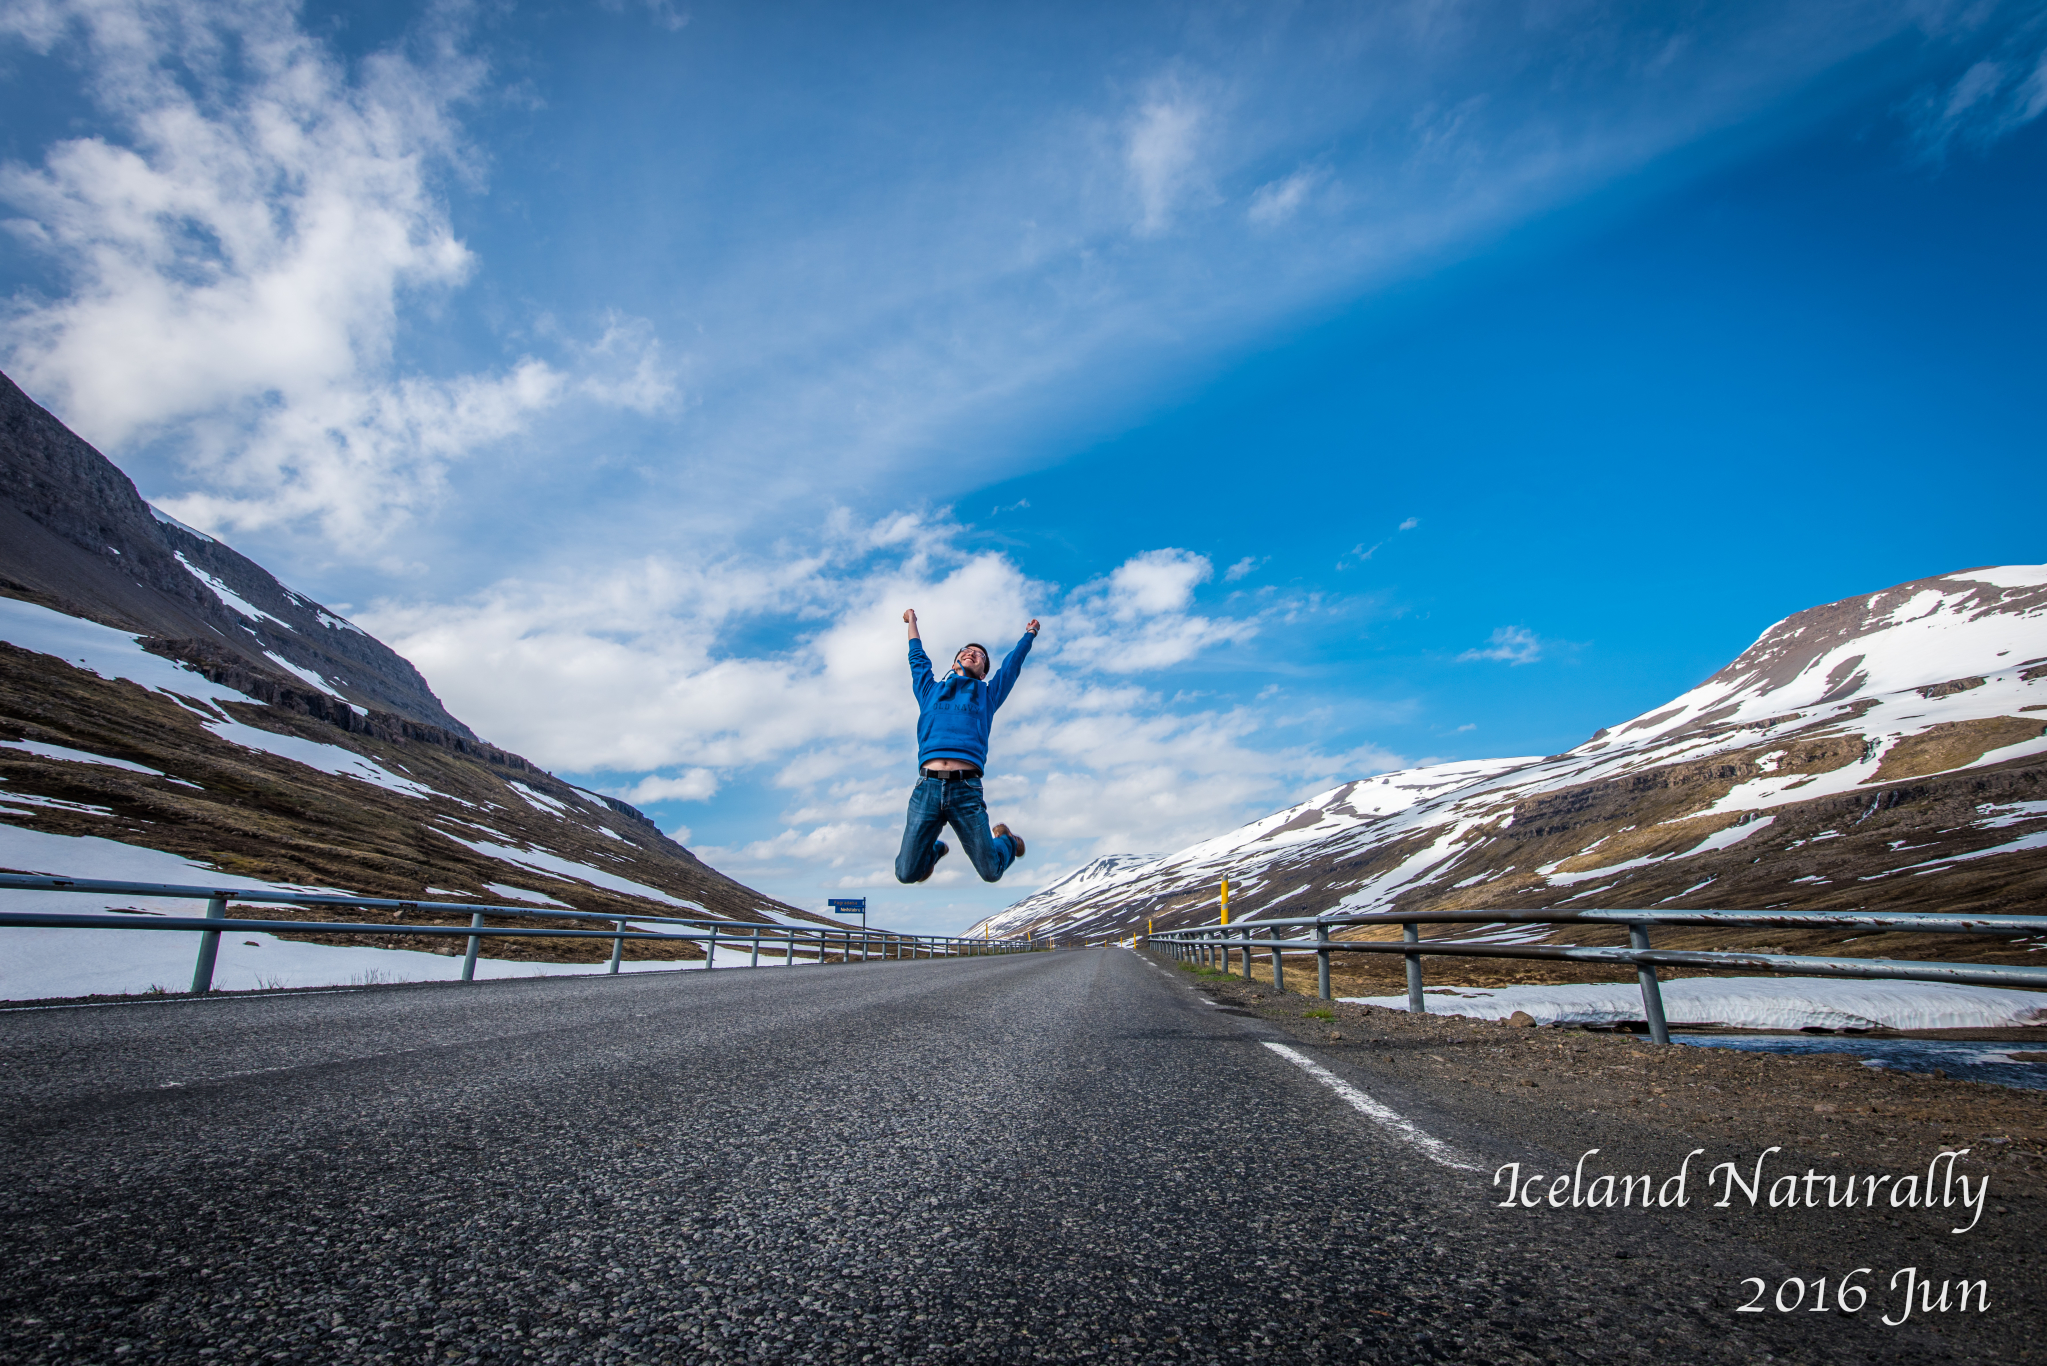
(270,741)
(1886,752)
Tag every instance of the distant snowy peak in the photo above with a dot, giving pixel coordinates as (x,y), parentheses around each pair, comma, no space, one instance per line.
(1955,632)
(1800,743)
(1359,802)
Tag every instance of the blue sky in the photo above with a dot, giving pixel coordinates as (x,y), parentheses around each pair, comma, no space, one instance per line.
(1347,387)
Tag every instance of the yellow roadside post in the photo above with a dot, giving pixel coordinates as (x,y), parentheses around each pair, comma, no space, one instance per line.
(1226,921)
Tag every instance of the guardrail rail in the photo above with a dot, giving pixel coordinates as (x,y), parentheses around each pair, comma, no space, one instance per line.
(1203,944)
(821,941)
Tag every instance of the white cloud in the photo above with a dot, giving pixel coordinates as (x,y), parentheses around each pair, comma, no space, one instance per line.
(1277,201)
(1161,157)
(1244,568)
(1137,618)
(1410,524)
(695,785)
(237,264)
(1991,100)
(637,672)
(1513,644)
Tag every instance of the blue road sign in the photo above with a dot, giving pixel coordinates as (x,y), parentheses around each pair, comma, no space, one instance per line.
(848,905)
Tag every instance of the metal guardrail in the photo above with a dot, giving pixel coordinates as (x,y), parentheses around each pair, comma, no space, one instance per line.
(1202,943)
(821,940)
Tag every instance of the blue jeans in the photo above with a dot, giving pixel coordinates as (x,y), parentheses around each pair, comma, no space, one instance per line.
(939,802)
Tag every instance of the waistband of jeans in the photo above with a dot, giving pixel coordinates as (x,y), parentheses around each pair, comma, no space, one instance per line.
(948,775)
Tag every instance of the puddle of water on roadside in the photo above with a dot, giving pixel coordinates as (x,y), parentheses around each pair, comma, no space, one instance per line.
(1980,1061)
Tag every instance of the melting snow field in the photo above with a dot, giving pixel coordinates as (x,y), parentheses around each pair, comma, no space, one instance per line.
(37,964)
(1748,1003)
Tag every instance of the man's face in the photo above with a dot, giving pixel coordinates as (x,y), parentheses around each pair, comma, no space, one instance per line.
(971,661)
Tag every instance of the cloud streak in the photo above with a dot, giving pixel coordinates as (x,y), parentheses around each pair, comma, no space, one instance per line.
(1508,645)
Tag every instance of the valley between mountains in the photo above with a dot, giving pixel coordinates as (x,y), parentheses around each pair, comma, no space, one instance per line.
(167,706)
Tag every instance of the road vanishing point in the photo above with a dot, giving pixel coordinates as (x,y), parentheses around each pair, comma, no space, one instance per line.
(1069,1156)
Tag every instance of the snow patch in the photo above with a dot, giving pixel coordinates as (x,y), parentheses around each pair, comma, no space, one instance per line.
(511,893)
(30,799)
(540,860)
(307,674)
(79,756)
(1748,1003)
(169,520)
(234,601)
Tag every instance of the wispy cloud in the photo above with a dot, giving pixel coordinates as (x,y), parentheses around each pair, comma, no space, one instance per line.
(1361,552)
(237,265)
(244,246)
(1510,644)
(1245,567)
(1161,155)
(1992,99)
(1279,200)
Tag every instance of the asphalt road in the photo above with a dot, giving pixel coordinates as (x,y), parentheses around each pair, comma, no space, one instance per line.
(1056,1157)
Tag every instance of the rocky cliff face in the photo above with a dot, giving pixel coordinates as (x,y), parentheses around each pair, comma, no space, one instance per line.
(77,537)
(1884,752)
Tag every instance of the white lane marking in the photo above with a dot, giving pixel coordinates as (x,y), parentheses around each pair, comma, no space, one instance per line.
(1402,1128)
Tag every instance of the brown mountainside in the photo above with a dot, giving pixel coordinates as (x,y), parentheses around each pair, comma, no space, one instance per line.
(1887,752)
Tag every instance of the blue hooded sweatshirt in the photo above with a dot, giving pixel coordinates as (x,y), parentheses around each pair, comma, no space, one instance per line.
(954,713)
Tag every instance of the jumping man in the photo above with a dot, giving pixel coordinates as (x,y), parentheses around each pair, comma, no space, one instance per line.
(953,716)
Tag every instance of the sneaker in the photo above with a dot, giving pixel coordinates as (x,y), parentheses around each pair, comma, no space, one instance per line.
(1015,840)
(938,851)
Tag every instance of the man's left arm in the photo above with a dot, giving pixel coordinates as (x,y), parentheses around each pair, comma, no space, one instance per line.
(1005,677)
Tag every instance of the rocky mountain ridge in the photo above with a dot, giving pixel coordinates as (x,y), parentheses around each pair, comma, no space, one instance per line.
(76,536)
(1884,752)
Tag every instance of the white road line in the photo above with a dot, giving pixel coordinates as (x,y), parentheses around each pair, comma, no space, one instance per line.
(1401,1127)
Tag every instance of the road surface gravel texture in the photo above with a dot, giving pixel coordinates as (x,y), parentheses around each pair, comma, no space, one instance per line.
(1068,1156)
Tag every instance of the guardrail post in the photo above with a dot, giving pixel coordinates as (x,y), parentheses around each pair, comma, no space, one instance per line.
(1412,933)
(617,949)
(755,961)
(1652,991)
(711,951)
(1278,969)
(789,950)
(1322,961)
(475,942)
(209,946)
(1247,953)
